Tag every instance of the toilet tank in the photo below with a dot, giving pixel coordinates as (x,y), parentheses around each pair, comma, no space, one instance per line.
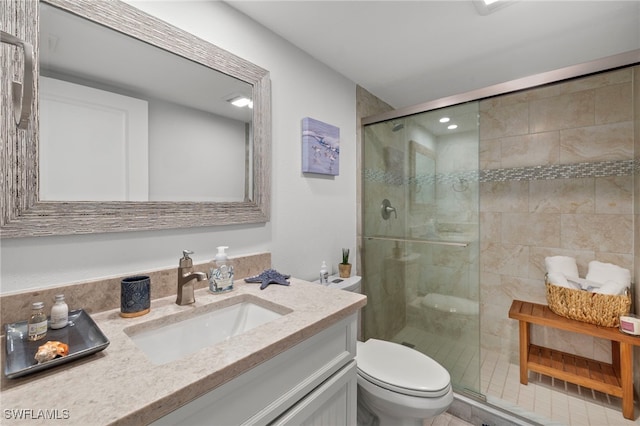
(352,284)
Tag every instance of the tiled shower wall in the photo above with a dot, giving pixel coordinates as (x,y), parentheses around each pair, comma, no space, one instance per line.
(387,275)
(367,105)
(533,204)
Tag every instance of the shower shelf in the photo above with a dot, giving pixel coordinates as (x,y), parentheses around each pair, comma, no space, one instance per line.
(421,241)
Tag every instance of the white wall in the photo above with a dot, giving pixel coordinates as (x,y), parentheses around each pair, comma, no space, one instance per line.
(178,137)
(312,217)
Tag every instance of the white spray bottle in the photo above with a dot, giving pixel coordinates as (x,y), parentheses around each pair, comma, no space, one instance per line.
(324,273)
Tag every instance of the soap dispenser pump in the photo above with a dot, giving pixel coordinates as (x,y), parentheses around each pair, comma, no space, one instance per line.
(221,274)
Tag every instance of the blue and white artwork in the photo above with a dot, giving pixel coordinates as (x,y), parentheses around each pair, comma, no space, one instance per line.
(320,147)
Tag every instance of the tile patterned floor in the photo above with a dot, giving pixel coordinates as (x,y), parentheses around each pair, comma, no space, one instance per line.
(545,400)
(548,400)
(446,419)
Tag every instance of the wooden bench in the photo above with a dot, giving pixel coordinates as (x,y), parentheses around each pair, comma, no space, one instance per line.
(614,379)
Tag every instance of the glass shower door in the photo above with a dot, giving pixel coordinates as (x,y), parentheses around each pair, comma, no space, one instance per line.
(420,248)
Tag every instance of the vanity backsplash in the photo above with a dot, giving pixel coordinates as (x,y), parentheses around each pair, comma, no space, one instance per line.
(104,294)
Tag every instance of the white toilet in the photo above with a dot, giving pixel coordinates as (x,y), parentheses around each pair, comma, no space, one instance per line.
(396,384)
(400,385)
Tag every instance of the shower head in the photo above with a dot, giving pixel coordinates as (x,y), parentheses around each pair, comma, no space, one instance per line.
(397,126)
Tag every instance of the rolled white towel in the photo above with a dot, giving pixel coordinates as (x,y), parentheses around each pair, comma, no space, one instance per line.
(584,283)
(611,287)
(563,264)
(558,278)
(601,272)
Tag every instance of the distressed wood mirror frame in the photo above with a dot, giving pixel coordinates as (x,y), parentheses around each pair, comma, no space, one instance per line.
(24,215)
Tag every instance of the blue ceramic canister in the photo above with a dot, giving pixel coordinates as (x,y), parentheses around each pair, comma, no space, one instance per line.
(135,296)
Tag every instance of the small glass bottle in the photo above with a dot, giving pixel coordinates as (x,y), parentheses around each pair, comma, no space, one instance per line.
(37,324)
(59,313)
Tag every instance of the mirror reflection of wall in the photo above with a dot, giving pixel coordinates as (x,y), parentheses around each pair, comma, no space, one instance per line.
(423,175)
(122,120)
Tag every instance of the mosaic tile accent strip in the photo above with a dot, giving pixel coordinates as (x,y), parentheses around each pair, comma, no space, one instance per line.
(561,171)
(393,178)
(556,171)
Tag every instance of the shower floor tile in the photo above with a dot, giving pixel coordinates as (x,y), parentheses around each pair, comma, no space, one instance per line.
(549,400)
(544,400)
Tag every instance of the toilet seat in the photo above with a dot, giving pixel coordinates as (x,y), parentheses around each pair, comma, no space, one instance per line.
(401,369)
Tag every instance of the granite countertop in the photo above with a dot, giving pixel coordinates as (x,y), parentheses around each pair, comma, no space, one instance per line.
(121,386)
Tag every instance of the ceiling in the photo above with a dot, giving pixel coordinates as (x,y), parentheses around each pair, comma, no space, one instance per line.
(411,52)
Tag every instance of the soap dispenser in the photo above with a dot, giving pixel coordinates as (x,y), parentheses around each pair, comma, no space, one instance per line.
(221,273)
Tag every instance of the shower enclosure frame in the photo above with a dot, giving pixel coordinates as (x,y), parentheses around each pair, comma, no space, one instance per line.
(556,76)
(580,70)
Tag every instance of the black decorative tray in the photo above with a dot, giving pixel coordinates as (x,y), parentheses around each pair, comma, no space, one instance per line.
(81,334)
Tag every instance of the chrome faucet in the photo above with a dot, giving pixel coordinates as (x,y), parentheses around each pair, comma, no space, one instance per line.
(186,277)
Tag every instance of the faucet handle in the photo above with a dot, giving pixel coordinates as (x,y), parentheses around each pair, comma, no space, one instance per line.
(185,260)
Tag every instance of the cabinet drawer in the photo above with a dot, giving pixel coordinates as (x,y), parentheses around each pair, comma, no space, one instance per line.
(331,404)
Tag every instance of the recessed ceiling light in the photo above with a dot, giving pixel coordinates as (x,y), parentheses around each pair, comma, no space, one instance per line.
(452,126)
(445,119)
(241,101)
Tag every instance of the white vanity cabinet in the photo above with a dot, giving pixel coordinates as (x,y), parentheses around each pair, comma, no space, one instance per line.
(314,382)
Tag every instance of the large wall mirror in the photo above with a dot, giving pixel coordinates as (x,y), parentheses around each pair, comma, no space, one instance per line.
(136,127)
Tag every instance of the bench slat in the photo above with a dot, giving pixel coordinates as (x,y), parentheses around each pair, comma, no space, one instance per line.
(582,374)
(582,368)
(537,310)
(570,365)
(557,360)
(595,372)
(609,375)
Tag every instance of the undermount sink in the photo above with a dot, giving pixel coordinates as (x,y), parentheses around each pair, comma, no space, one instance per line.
(206,326)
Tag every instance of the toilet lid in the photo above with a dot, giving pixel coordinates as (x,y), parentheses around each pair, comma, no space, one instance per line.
(401,369)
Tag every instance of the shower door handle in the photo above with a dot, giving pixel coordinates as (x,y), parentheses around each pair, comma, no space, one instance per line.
(386,210)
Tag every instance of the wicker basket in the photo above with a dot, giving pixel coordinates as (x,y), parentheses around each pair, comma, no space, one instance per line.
(594,308)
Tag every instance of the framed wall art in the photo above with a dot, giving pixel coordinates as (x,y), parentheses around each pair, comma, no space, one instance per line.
(320,147)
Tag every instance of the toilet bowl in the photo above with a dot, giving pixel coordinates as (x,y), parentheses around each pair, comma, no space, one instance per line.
(396,384)
(400,385)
